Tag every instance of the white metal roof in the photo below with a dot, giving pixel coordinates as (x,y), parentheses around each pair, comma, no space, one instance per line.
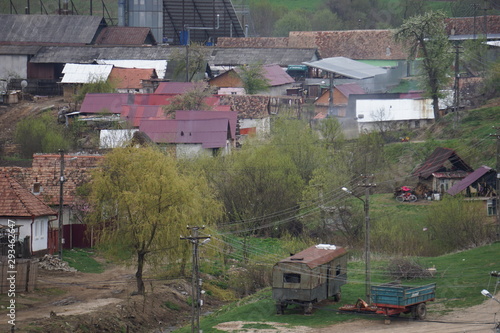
(84,73)
(347,67)
(159,65)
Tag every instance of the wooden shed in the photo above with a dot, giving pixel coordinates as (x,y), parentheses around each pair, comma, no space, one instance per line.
(309,276)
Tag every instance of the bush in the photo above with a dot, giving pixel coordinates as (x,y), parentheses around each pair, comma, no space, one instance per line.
(406,269)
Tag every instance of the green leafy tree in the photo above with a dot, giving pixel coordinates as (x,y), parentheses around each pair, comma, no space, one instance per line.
(325,20)
(195,56)
(264,15)
(141,203)
(425,36)
(193,99)
(253,78)
(95,85)
(39,135)
(292,21)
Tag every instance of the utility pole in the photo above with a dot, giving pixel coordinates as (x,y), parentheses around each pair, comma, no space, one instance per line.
(497,189)
(456,87)
(61,201)
(367,185)
(196,282)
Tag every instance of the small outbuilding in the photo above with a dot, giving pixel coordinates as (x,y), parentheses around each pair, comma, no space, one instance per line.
(309,276)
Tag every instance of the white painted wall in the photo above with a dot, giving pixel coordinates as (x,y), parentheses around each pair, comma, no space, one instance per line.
(263,125)
(37,229)
(115,138)
(13,66)
(393,109)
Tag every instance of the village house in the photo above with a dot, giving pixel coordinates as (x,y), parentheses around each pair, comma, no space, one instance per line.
(440,171)
(26,213)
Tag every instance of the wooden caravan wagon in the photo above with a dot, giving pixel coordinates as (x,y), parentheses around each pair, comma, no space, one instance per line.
(309,276)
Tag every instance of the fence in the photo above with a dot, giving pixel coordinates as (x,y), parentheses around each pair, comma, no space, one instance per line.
(26,274)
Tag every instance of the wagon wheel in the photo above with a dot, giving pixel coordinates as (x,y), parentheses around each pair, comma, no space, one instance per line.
(280,308)
(419,311)
(308,308)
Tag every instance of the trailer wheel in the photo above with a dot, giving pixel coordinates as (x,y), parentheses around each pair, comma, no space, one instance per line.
(308,308)
(280,308)
(420,311)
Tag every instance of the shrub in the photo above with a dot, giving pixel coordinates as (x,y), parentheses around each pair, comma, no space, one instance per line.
(406,269)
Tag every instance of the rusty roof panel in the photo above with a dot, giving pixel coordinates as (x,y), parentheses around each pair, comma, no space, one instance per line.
(315,256)
(126,36)
(435,163)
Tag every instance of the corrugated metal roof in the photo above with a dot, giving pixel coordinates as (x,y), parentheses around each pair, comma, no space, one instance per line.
(135,114)
(249,55)
(276,75)
(19,49)
(347,67)
(125,36)
(232,116)
(471,178)
(131,78)
(85,73)
(174,87)
(210,133)
(90,54)
(160,66)
(315,256)
(200,14)
(435,162)
(350,88)
(100,103)
(62,29)
(16,201)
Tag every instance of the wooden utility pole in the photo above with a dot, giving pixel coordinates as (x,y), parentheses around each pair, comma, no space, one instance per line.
(497,183)
(196,282)
(61,201)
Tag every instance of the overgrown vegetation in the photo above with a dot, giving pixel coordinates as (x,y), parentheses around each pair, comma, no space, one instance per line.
(83,260)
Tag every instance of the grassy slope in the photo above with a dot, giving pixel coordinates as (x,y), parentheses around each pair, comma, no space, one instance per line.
(460,278)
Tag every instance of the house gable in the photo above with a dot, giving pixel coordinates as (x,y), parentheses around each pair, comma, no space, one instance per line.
(442,160)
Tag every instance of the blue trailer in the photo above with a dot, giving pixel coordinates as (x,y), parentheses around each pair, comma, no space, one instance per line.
(394,299)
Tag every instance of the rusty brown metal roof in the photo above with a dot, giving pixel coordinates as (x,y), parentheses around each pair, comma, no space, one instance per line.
(15,201)
(126,36)
(435,163)
(315,256)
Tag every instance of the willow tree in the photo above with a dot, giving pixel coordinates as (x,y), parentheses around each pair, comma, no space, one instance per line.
(142,202)
(425,37)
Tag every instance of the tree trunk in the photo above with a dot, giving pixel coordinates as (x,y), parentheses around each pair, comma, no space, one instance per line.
(435,106)
(138,274)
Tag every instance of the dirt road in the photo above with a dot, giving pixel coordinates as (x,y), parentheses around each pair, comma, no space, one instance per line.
(477,319)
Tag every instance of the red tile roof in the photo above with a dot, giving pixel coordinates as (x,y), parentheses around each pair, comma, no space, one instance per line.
(125,36)
(131,78)
(353,44)
(15,201)
(471,25)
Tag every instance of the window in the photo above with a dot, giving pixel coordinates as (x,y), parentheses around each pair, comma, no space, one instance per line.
(291,278)
(37,188)
(491,207)
(338,270)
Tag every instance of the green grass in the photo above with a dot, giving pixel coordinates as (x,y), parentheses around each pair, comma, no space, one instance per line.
(460,277)
(82,260)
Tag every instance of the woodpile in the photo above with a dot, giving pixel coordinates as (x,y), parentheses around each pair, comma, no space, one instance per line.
(53,263)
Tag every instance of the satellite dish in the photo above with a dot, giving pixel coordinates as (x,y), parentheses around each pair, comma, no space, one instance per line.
(24,84)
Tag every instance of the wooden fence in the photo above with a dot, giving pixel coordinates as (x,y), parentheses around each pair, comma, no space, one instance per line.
(26,271)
